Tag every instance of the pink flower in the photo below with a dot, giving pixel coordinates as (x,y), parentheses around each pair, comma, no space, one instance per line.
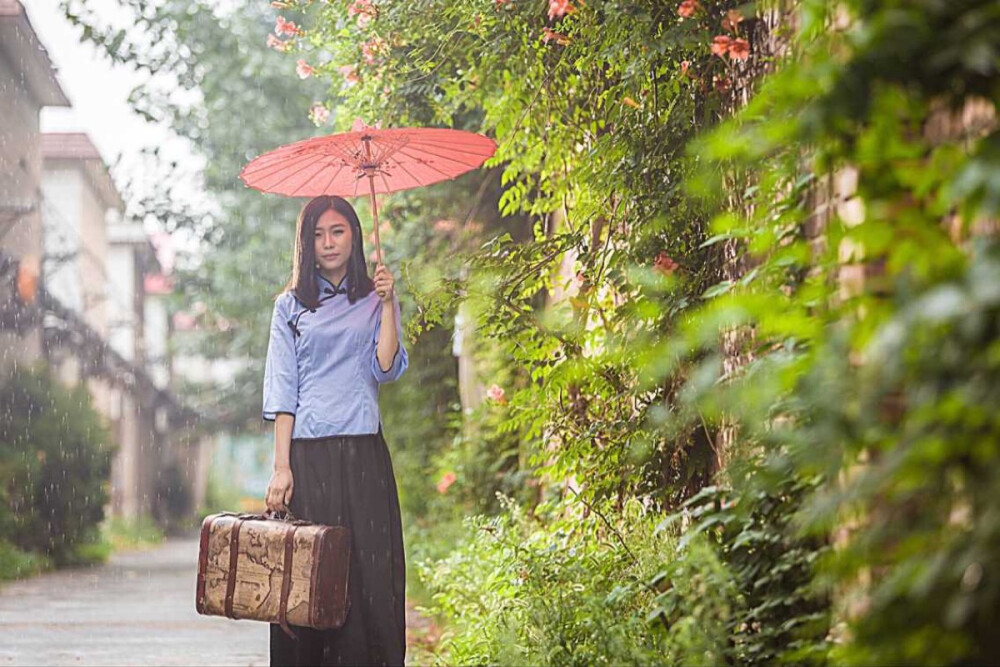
(446,480)
(303,69)
(688,8)
(275,43)
(720,45)
(364,10)
(559,8)
(281,26)
(350,74)
(360,126)
(318,114)
(722,83)
(739,49)
(495,393)
(372,48)
(732,19)
(360,7)
(685,66)
(445,226)
(549,35)
(664,264)
(501,3)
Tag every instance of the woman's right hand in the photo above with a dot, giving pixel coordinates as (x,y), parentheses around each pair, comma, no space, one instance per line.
(279,490)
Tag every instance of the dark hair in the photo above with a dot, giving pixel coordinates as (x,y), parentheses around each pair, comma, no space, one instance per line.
(303,281)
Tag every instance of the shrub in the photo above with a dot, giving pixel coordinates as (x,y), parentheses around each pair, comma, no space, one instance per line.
(569,590)
(55,455)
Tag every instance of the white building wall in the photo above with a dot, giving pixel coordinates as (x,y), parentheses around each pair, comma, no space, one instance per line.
(20,172)
(121,296)
(62,193)
(156,332)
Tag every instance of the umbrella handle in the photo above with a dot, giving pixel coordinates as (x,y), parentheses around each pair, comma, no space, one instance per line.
(378,247)
(371,188)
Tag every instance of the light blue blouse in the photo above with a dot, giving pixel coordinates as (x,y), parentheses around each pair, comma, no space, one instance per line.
(321,364)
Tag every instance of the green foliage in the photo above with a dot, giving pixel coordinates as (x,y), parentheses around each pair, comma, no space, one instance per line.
(872,335)
(55,455)
(778,610)
(564,590)
(16,563)
(820,333)
(590,134)
(141,532)
(221,495)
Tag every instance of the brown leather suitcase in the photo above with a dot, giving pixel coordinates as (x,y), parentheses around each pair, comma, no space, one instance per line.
(283,570)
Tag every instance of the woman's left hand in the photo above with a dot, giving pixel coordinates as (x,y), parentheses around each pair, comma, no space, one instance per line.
(384,283)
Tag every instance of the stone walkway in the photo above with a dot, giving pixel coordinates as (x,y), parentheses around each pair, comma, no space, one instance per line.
(138,609)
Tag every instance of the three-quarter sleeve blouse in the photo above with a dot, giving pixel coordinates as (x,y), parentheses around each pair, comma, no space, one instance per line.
(322,364)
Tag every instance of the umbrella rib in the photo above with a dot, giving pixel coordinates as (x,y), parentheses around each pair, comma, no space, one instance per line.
(480,158)
(430,166)
(296,172)
(257,174)
(333,178)
(345,153)
(287,151)
(416,181)
(446,146)
(269,159)
(382,175)
(389,146)
(278,155)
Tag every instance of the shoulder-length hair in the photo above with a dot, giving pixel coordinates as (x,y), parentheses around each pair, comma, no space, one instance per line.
(303,281)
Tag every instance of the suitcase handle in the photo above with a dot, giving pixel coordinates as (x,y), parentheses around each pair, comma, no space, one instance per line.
(271,515)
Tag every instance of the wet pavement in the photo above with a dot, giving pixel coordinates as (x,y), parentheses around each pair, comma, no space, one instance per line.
(138,609)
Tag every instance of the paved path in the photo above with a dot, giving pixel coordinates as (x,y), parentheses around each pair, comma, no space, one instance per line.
(136,610)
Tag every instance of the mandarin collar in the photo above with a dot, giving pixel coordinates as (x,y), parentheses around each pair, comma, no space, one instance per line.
(322,282)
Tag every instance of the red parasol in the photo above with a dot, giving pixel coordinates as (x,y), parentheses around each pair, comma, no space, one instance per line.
(389,160)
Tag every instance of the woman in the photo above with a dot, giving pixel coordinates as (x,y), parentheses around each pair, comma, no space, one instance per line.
(335,336)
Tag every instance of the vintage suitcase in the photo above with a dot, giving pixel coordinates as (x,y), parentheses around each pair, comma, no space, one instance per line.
(282,570)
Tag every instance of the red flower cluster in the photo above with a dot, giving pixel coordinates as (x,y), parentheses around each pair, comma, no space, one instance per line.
(364,10)
(735,48)
(664,264)
(372,49)
(446,480)
(496,393)
(283,27)
(688,8)
(304,69)
(350,74)
(732,19)
(550,35)
(559,8)
(276,44)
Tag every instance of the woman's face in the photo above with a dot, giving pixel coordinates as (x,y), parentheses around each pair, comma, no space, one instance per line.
(332,241)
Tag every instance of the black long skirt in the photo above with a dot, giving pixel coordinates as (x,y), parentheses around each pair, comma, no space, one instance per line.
(374,632)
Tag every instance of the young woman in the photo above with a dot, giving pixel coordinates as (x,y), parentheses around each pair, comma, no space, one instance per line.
(335,336)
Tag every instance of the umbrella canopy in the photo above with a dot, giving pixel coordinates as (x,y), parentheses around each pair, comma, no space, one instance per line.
(367,160)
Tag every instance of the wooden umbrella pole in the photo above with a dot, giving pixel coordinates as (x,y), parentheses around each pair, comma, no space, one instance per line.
(371,188)
(378,247)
